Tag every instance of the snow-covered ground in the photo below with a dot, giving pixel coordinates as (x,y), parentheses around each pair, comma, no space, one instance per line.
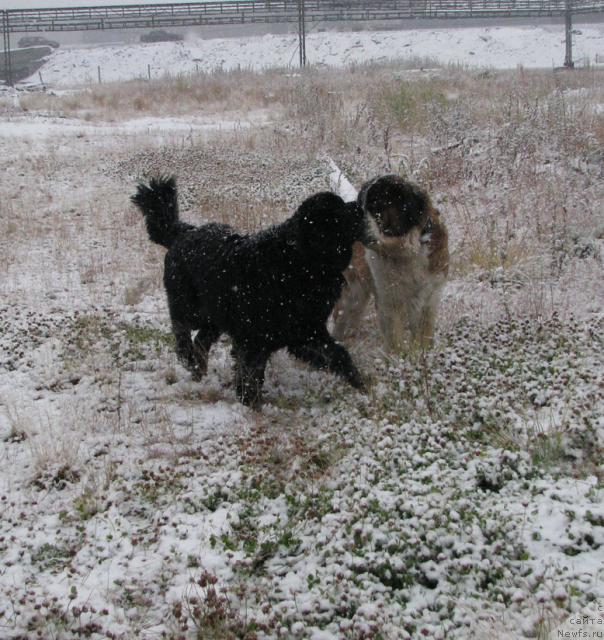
(462,497)
(496,47)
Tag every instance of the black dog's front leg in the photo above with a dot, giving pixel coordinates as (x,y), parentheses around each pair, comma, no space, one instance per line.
(323,352)
(249,375)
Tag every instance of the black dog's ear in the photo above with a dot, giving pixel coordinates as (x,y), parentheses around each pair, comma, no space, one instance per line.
(318,214)
(327,227)
(318,206)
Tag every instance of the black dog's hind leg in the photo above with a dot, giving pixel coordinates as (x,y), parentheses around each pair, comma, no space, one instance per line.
(184,349)
(323,352)
(205,338)
(249,375)
(193,355)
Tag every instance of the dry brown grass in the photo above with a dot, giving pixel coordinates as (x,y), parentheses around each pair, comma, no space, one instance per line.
(247,216)
(169,96)
(192,93)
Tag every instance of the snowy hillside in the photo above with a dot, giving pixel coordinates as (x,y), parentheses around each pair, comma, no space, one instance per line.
(496,47)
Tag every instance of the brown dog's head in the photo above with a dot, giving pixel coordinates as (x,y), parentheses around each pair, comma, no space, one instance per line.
(395,205)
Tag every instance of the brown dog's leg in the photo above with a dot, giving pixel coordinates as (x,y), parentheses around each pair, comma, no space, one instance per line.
(394,327)
(424,335)
(350,308)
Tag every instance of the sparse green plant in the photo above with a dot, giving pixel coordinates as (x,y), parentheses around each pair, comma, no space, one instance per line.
(209,611)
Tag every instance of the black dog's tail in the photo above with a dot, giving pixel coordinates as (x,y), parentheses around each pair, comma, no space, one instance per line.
(158,202)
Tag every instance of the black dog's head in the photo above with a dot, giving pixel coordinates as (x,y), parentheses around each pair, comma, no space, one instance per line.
(396,206)
(327,228)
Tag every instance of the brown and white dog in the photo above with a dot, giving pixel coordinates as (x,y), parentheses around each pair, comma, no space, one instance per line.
(404,266)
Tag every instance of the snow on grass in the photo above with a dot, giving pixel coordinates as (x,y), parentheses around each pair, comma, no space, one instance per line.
(414,513)
(52,126)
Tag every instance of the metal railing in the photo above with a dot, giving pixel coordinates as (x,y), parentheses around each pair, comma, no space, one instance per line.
(247,11)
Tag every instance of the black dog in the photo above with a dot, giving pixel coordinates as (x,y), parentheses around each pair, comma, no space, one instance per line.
(268,290)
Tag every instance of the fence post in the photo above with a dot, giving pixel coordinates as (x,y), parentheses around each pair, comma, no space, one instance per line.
(8,71)
(568,23)
(99,73)
(302,32)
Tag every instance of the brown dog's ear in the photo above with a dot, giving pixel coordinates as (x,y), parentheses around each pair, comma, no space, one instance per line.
(436,238)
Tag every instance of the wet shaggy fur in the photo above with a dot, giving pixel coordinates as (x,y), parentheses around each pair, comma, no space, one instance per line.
(404,265)
(267,291)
